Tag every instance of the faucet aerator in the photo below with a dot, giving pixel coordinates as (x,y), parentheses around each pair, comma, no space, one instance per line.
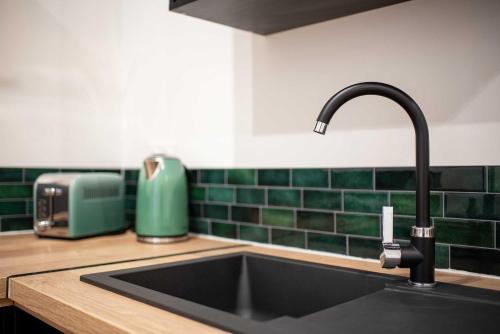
(320,127)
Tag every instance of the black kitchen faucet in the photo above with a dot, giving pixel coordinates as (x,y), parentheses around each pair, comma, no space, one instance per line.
(419,254)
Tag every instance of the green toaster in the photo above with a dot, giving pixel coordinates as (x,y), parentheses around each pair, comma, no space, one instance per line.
(77,205)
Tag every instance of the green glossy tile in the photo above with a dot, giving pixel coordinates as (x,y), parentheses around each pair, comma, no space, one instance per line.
(395,178)
(212,176)
(29,207)
(241,176)
(254,233)
(215,211)
(130,218)
(367,248)
(274,177)
(283,197)
(402,227)
(225,230)
(368,202)
(277,217)
(196,193)
(15,191)
(358,224)
(464,232)
(131,175)
(473,206)
(195,210)
(466,178)
(107,170)
(17,224)
(31,174)
(288,238)
(130,203)
(245,214)
(11,174)
(320,199)
(193,176)
(317,178)
(326,242)
(220,194)
(353,178)
(198,226)
(405,204)
(494,179)
(313,220)
(131,189)
(77,170)
(498,235)
(250,196)
(442,256)
(478,260)
(12,207)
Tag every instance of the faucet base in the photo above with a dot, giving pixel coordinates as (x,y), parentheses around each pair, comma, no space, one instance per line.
(422,274)
(421,285)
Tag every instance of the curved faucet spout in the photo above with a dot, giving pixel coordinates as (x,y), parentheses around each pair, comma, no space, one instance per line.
(419,256)
(419,123)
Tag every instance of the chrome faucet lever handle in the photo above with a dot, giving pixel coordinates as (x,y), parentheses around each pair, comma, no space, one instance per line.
(391,255)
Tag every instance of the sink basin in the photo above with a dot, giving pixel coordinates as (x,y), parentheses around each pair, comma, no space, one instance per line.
(252,293)
(238,291)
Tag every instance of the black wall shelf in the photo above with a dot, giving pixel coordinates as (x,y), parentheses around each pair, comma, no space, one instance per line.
(266,17)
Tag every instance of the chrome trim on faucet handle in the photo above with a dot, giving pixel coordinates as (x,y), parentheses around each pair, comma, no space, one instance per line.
(422,232)
(391,256)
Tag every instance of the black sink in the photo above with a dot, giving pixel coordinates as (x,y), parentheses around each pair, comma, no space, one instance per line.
(250,293)
(225,289)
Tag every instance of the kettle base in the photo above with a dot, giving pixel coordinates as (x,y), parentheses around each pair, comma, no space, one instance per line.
(162,240)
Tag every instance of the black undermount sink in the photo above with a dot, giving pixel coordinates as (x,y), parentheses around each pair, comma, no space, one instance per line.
(250,293)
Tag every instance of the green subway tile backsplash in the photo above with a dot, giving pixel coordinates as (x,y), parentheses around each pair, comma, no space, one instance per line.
(317,221)
(494,179)
(250,196)
(358,224)
(198,226)
(212,176)
(440,178)
(405,204)
(254,233)
(288,238)
(369,202)
(220,194)
(215,211)
(326,242)
(465,232)
(335,210)
(473,206)
(321,199)
(317,178)
(442,256)
(274,177)
(241,176)
(16,191)
(245,214)
(278,217)
(367,248)
(361,178)
(283,197)
(11,174)
(225,230)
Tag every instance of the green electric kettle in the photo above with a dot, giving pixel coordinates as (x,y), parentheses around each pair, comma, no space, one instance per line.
(162,203)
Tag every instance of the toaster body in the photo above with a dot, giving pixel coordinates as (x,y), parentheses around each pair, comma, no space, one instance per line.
(77,205)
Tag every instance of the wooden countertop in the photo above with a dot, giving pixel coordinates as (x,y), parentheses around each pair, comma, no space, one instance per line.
(61,299)
(26,253)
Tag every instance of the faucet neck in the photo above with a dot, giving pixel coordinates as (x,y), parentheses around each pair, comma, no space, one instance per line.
(419,124)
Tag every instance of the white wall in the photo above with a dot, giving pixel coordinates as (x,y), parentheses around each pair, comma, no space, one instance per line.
(446,54)
(105,83)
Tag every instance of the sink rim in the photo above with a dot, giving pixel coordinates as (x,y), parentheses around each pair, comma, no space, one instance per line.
(199,312)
